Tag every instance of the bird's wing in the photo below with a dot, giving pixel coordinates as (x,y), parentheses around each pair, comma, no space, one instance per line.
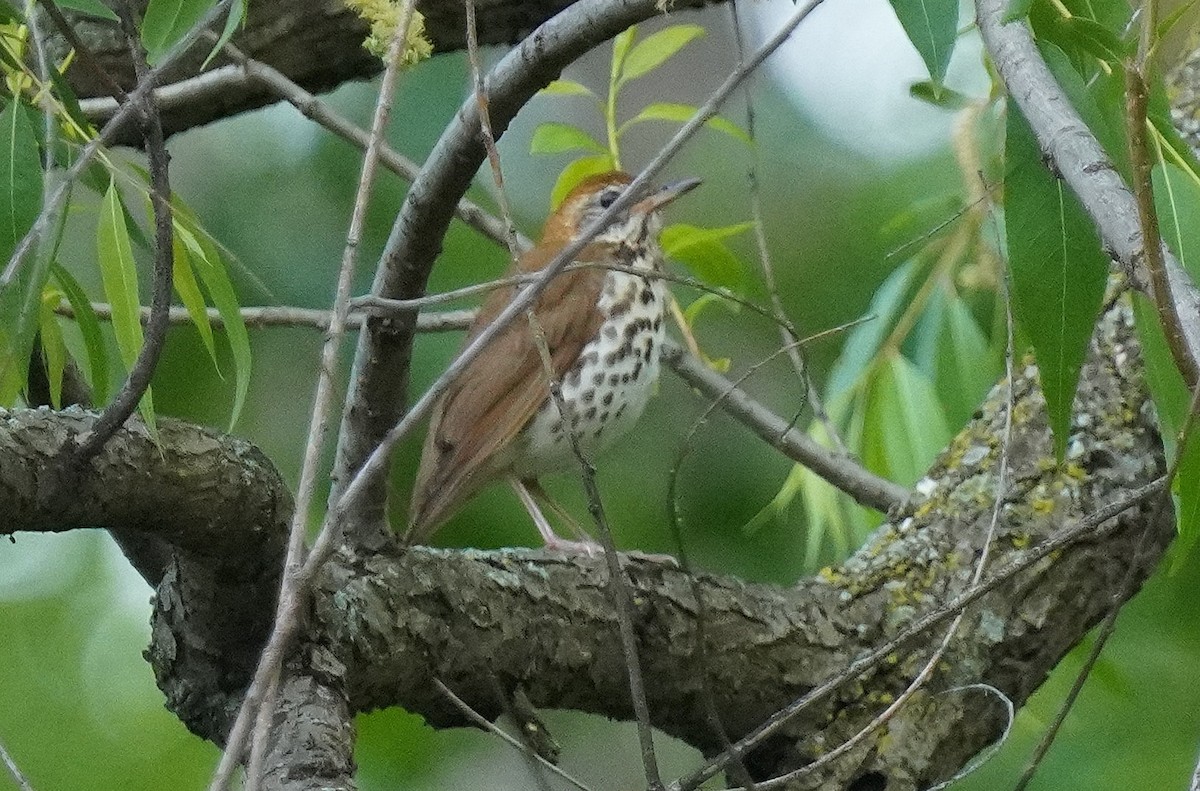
(500,391)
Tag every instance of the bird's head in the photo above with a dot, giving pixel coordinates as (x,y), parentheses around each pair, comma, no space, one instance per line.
(594,195)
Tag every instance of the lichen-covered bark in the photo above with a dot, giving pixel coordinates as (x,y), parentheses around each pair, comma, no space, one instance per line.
(545,624)
(383,626)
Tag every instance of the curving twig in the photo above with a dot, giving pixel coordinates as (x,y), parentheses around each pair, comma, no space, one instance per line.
(138,381)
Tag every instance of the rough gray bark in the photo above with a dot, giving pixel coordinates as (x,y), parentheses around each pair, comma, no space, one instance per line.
(316,43)
(208,517)
(383,626)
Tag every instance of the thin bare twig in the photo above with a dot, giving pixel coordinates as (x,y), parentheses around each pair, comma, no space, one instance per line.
(14,771)
(142,371)
(369,472)
(321,113)
(864,486)
(294,583)
(618,590)
(492,728)
(787,334)
(845,474)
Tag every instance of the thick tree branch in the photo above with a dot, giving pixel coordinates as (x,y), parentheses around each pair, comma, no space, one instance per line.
(1080,161)
(316,44)
(214,500)
(545,624)
(396,620)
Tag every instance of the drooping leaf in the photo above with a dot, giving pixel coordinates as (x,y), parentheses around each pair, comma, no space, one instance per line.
(703,252)
(553,137)
(620,51)
(681,113)
(20,203)
(90,7)
(207,261)
(1168,23)
(166,21)
(89,328)
(864,340)
(905,426)
(1058,269)
(188,290)
(1171,401)
(1087,33)
(54,348)
(964,369)
(233,20)
(656,48)
(939,95)
(1099,98)
(566,88)
(1172,146)
(576,172)
(1177,201)
(118,272)
(20,178)
(932,27)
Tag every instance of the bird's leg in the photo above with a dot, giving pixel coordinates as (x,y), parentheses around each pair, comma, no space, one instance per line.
(551,539)
(534,487)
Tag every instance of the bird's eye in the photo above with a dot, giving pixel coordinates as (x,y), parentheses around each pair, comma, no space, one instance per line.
(608,197)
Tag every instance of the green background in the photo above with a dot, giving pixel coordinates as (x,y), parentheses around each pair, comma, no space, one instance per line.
(78,706)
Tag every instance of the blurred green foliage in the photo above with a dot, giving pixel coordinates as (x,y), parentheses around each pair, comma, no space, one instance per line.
(78,707)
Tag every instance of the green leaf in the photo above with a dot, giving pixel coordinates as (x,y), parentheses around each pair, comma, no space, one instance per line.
(905,427)
(118,271)
(938,95)
(1059,270)
(89,7)
(1177,202)
(54,348)
(1177,149)
(574,173)
(554,138)
(188,290)
(1172,19)
(701,250)
(89,328)
(864,340)
(20,178)
(20,203)
(237,13)
(1171,401)
(206,260)
(681,113)
(655,49)
(932,27)
(620,50)
(1092,31)
(1099,99)
(166,21)
(964,370)
(566,88)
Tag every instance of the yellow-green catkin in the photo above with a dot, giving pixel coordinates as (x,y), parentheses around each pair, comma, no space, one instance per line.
(384,16)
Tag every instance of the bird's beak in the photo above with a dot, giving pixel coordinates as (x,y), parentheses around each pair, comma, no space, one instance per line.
(666,194)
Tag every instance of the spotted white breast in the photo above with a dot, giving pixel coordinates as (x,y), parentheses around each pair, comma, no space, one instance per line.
(606,391)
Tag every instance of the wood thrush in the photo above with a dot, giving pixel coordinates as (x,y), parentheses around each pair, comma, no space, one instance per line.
(603,329)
